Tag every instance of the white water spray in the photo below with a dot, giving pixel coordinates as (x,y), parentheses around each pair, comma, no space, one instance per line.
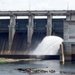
(49,46)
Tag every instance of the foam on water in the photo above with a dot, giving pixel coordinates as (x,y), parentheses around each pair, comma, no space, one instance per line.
(49,46)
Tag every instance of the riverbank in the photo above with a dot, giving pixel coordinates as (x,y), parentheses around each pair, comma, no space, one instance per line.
(6,60)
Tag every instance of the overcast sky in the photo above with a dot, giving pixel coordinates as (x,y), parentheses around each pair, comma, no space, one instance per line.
(37,5)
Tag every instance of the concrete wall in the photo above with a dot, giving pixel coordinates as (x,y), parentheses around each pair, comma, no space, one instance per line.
(69,36)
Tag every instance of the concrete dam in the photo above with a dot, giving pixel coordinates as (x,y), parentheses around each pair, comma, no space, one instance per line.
(19,36)
(19,44)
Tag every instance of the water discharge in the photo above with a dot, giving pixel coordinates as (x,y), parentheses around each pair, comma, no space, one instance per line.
(49,46)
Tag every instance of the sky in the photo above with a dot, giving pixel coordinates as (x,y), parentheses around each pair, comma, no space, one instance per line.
(7,5)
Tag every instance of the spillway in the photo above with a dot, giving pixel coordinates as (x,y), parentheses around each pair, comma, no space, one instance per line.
(19,45)
(3,43)
(50,45)
(36,39)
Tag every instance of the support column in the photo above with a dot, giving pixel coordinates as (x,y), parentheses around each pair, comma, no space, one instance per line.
(62,57)
(49,25)
(30,29)
(11,30)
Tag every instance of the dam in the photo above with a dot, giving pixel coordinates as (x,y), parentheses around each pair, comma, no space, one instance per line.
(18,36)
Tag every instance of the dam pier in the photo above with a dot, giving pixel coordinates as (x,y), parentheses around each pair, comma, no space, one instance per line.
(18,36)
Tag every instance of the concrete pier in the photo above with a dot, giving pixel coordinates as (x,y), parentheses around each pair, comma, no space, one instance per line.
(11,30)
(49,25)
(30,29)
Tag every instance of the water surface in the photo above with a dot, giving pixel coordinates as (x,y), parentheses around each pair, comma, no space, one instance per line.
(11,69)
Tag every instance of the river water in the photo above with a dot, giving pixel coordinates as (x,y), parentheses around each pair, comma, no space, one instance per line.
(11,68)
